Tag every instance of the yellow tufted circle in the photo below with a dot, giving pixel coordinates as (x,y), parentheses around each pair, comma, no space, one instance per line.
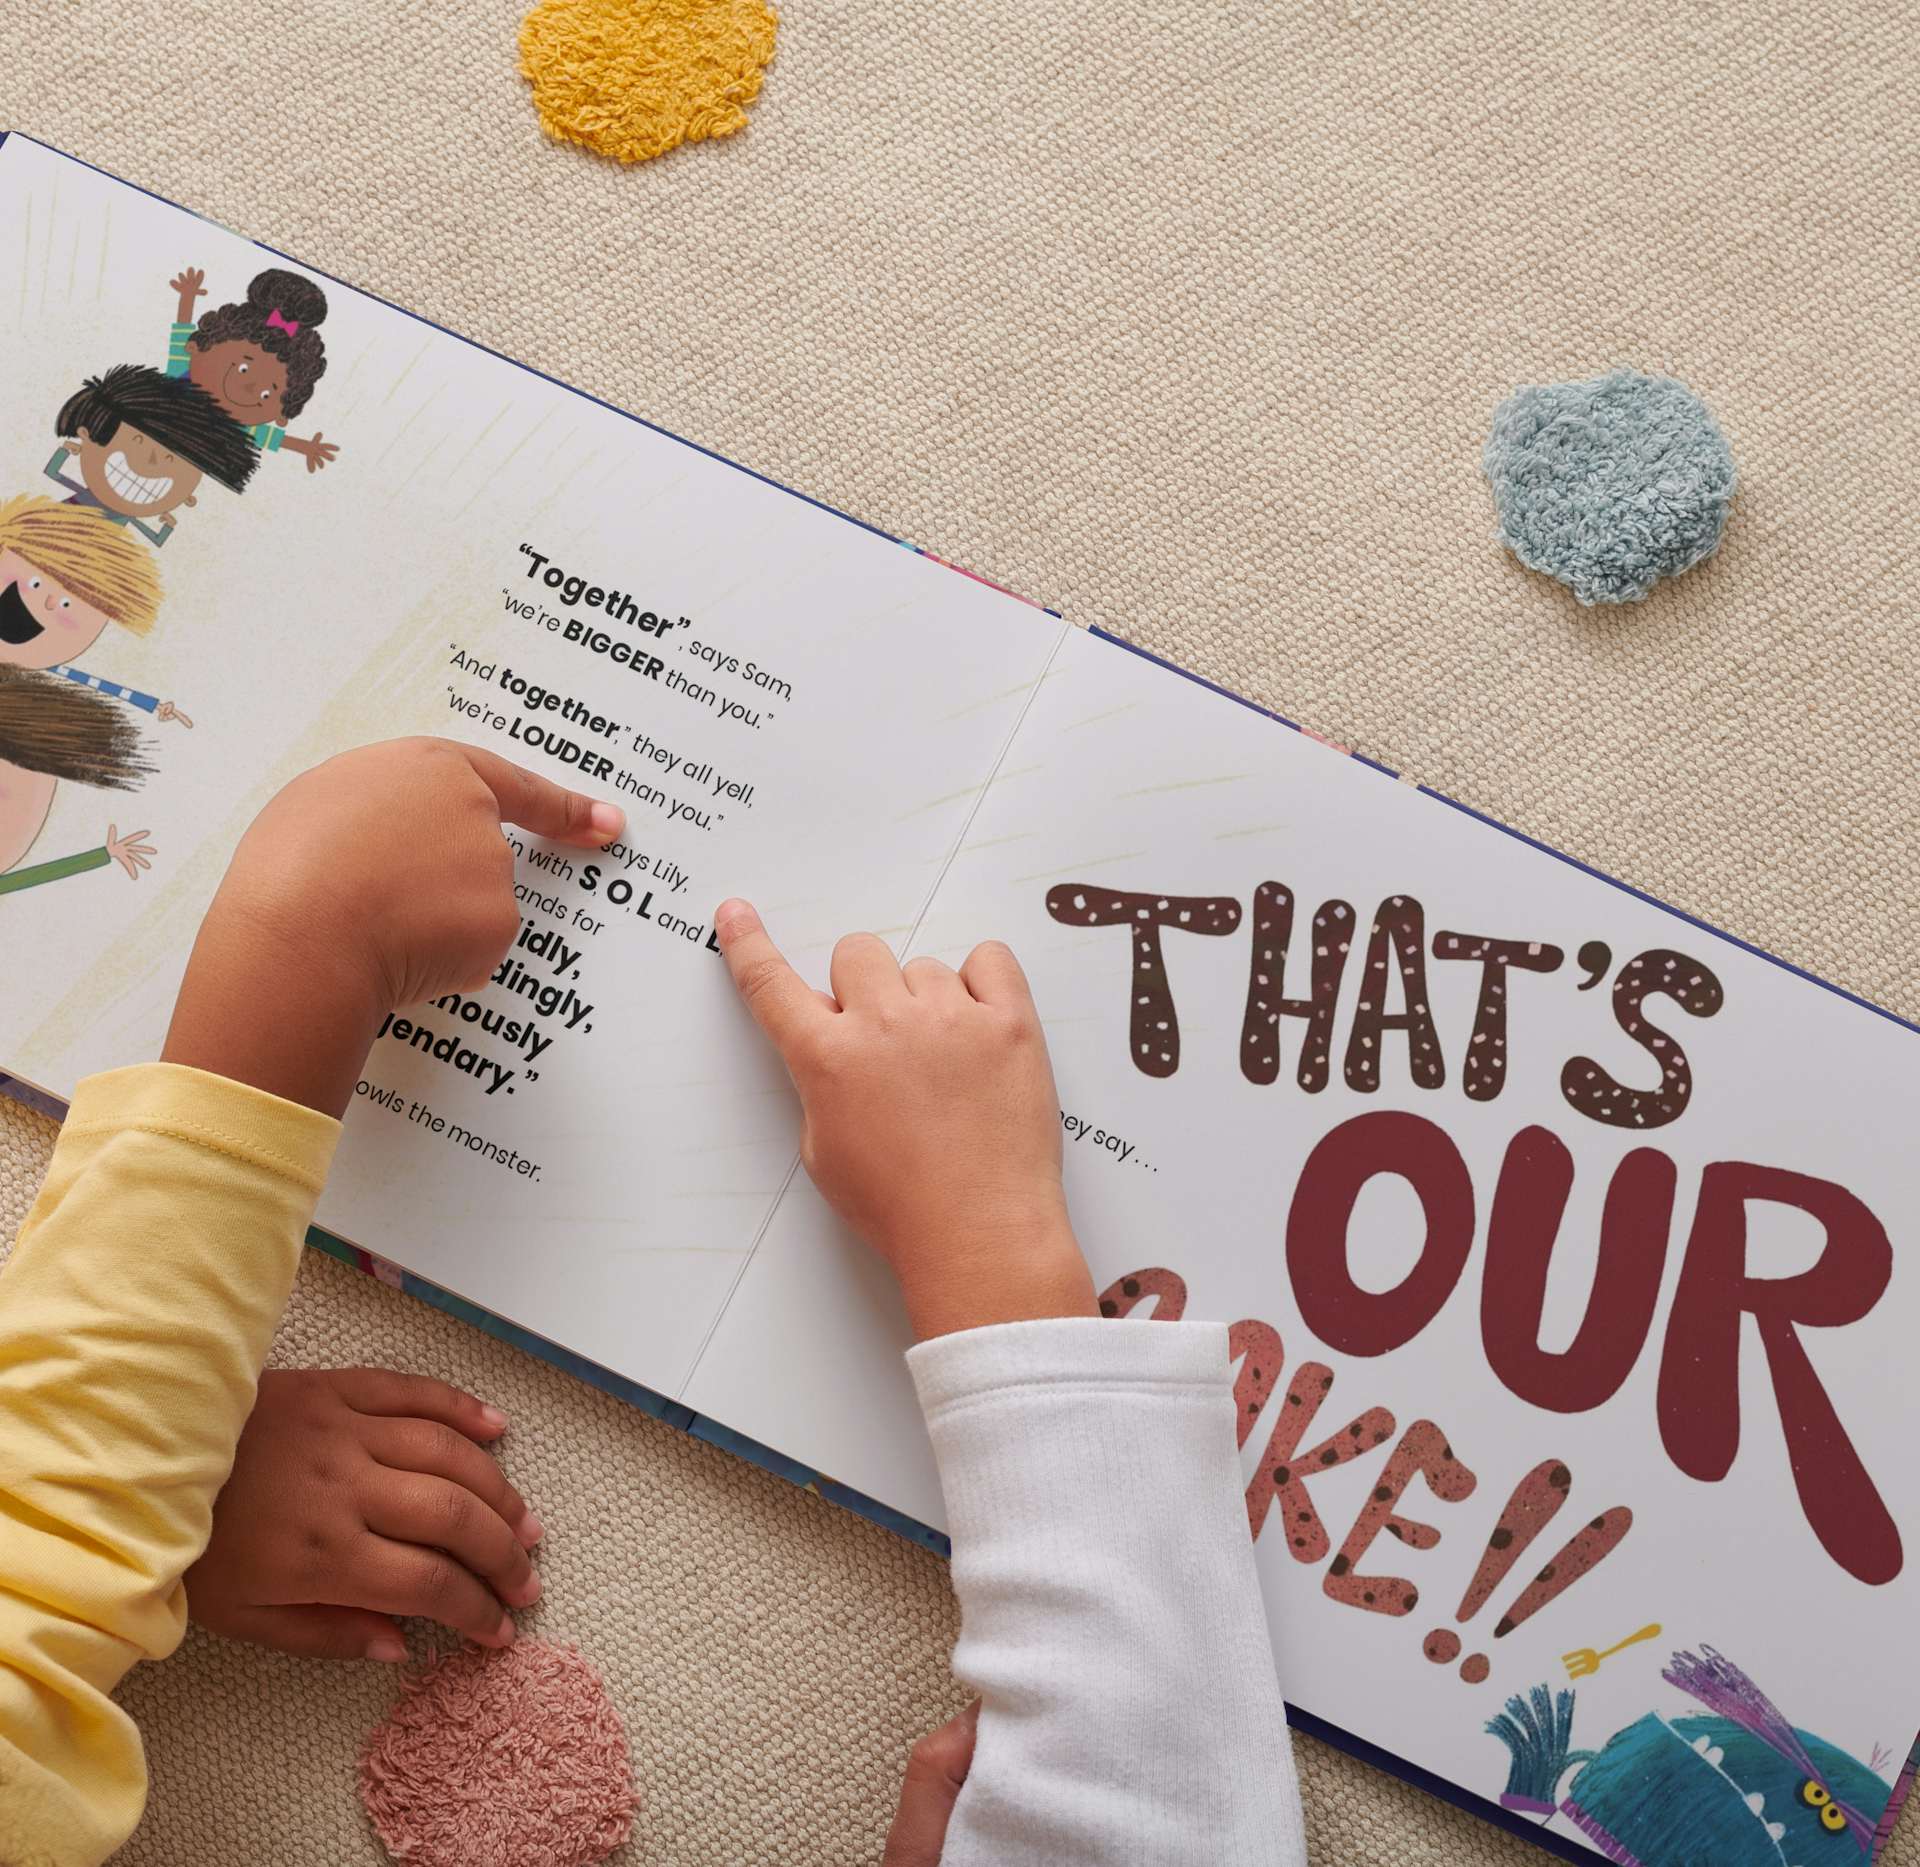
(635,78)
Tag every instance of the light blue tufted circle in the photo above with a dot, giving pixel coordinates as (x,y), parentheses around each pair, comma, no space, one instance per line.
(1611,484)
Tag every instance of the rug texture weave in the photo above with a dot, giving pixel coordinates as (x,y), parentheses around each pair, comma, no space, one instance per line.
(1187,317)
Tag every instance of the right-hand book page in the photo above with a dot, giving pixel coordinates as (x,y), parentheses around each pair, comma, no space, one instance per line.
(1561,1239)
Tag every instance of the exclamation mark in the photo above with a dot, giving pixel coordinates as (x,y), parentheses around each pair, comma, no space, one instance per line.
(1535,1502)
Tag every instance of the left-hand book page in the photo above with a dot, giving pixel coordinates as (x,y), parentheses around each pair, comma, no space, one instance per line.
(250,517)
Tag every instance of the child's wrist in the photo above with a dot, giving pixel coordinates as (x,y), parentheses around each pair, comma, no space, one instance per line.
(976,1281)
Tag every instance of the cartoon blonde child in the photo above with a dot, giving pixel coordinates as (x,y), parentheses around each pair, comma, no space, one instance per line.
(65,573)
(142,442)
(259,359)
(35,633)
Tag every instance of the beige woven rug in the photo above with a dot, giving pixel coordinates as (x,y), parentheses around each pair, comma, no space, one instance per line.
(1185,316)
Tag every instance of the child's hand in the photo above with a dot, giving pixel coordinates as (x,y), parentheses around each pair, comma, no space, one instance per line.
(375,880)
(358,1494)
(318,451)
(189,285)
(132,851)
(932,1125)
(936,1773)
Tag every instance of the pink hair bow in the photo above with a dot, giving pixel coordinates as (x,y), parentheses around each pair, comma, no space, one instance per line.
(275,322)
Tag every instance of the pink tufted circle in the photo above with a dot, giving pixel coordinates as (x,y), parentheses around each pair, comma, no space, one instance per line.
(513,1758)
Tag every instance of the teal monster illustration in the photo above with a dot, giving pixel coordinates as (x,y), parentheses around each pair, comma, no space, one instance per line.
(1537,1730)
(1735,1785)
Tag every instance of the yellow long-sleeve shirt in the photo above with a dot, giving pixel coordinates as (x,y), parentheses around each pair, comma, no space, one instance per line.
(135,1313)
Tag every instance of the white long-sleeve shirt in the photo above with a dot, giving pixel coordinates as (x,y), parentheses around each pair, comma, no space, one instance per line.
(1110,1614)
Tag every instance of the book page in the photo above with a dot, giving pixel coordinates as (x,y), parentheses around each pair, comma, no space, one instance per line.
(789,706)
(1568,1247)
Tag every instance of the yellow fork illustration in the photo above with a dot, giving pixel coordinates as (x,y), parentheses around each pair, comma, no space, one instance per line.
(1585,1660)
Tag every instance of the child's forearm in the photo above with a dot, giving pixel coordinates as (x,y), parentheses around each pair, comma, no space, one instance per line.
(56,471)
(1111,1615)
(243,955)
(14,880)
(134,1316)
(147,703)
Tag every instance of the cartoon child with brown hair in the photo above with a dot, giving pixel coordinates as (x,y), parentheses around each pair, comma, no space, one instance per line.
(259,359)
(143,442)
(65,573)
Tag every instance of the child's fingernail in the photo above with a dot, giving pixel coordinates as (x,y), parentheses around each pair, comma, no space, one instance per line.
(607,819)
(530,1530)
(493,1419)
(732,917)
(389,1649)
(529,1592)
(505,1631)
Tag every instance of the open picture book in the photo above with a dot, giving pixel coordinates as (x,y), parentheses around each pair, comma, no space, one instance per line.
(1559,1234)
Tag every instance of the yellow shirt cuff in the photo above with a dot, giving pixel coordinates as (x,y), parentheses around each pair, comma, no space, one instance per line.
(193,1105)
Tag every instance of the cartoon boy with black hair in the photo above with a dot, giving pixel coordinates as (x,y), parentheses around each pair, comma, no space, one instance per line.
(143,441)
(65,573)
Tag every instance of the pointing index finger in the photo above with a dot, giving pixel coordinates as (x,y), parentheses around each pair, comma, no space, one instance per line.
(782,1003)
(540,805)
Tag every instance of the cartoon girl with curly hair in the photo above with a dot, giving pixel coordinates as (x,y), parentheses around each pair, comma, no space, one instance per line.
(259,358)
